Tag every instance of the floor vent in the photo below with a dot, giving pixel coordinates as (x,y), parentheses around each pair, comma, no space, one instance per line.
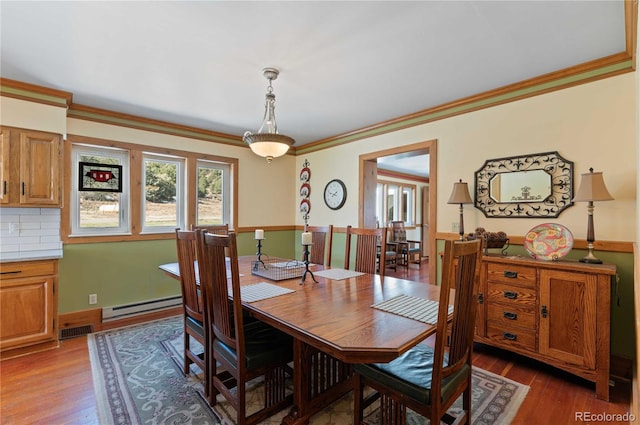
(75,332)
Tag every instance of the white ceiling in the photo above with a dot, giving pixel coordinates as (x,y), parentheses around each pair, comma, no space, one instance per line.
(344,65)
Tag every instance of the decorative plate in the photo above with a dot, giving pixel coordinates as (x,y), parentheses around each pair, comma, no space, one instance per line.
(305,190)
(305,206)
(305,174)
(549,241)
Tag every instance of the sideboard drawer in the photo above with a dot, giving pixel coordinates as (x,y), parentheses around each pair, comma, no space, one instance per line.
(512,316)
(505,335)
(512,274)
(511,295)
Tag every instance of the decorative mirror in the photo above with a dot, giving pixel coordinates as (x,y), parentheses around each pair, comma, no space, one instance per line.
(528,186)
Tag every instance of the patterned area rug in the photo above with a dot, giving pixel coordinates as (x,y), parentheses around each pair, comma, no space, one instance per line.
(138,379)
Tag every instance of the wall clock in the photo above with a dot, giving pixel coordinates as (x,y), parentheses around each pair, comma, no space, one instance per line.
(335,194)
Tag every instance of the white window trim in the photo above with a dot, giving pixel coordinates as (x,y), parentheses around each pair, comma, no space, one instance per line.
(226,186)
(181,199)
(79,150)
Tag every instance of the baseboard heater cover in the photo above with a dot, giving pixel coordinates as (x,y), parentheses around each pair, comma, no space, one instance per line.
(142,307)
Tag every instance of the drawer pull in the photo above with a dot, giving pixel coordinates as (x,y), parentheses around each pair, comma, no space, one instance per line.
(510,316)
(510,294)
(510,275)
(12,272)
(509,336)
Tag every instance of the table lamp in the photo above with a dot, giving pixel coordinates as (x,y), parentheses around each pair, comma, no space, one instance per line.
(460,195)
(592,188)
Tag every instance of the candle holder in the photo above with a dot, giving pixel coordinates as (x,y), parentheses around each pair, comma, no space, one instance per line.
(306,265)
(259,255)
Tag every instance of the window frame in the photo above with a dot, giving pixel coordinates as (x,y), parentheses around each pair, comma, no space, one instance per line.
(384,189)
(180,197)
(136,153)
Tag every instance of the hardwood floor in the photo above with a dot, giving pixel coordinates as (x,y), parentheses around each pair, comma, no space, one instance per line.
(55,387)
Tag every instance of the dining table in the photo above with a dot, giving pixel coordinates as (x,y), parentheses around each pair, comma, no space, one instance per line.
(336,321)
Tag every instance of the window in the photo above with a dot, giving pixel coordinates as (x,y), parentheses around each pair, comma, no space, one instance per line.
(163,206)
(213,197)
(99,213)
(162,189)
(395,201)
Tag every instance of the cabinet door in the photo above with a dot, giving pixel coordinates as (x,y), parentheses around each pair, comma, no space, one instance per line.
(568,317)
(27,311)
(40,165)
(4,166)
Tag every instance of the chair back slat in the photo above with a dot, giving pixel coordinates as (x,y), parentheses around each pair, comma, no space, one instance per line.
(321,238)
(191,299)
(465,258)
(227,321)
(370,250)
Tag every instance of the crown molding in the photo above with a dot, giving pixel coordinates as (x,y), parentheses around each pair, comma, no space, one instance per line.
(35,93)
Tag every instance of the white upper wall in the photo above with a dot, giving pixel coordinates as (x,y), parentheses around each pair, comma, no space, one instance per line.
(593,125)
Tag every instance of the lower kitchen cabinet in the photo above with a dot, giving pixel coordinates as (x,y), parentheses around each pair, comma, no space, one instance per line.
(28,307)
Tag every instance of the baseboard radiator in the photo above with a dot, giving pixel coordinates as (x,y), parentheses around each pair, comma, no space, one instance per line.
(142,307)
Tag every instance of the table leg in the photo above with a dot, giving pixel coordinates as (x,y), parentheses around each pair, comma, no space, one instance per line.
(318,380)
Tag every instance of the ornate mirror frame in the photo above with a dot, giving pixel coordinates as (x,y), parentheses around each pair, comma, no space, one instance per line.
(559,169)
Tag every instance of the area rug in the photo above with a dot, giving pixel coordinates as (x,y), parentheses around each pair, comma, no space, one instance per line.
(138,379)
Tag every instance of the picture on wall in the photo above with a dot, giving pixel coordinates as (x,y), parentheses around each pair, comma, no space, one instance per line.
(100,177)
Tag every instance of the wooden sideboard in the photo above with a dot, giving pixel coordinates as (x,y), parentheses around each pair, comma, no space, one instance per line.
(557,312)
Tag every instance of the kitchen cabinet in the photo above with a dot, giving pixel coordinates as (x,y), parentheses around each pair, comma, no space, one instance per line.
(33,176)
(28,306)
(557,312)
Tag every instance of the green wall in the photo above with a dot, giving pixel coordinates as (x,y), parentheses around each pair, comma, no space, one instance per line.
(622,315)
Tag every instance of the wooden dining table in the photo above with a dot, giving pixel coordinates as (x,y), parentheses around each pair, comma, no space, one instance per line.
(333,325)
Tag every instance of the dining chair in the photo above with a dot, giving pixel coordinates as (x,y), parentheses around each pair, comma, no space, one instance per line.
(428,379)
(240,352)
(321,238)
(370,250)
(407,248)
(192,303)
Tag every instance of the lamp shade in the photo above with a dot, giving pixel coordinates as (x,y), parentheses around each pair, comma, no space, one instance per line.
(460,194)
(269,145)
(592,188)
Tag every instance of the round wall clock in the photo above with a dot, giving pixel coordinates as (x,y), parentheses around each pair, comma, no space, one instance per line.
(335,194)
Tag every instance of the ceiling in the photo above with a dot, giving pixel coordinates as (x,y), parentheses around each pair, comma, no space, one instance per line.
(344,65)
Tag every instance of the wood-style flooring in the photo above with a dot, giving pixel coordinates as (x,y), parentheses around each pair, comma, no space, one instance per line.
(55,387)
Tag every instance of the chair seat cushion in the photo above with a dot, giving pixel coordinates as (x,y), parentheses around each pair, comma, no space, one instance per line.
(194,325)
(411,374)
(264,345)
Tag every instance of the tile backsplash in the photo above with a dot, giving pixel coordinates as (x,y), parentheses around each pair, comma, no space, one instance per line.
(29,233)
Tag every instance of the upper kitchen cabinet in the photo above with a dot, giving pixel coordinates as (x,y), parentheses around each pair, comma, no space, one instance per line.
(30,168)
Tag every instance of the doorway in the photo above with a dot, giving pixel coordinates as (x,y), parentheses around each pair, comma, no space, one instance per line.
(368,184)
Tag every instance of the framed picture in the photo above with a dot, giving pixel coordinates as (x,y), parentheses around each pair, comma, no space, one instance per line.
(96,177)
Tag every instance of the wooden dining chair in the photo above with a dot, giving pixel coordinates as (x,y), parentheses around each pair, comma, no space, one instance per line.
(370,250)
(321,238)
(192,303)
(407,248)
(243,351)
(427,379)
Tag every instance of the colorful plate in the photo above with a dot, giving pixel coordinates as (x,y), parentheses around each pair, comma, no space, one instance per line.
(549,241)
